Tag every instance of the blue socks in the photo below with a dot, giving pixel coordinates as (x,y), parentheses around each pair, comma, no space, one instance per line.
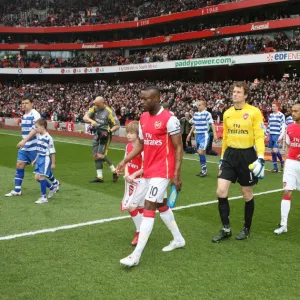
(43,184)
(274,160)
(43,189)
(203,162)
(49,185)
(53,179)
(19,176)
(280,157)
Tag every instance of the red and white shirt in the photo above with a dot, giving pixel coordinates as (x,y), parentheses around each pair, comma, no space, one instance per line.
(136,163)
(293,140)
(159,152)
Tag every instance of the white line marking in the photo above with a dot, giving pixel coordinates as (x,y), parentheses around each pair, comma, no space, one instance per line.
(216,163)
(66,227)
(90,145)
(231,198)
(113,148)
(66,141)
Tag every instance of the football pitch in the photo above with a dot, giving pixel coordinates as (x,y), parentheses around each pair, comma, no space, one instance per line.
(70,248)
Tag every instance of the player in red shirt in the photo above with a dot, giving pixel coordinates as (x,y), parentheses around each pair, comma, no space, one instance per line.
(160,139)
(291,175)
(134,196)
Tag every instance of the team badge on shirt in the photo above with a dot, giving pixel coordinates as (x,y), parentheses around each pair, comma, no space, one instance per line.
(131,189)
(245,116)
(157,124)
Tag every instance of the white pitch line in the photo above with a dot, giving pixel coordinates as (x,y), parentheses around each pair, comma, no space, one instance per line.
(101,221)
(216,163)
(113,148)
(65,227)
(89,145)
(65,141)
(216,201)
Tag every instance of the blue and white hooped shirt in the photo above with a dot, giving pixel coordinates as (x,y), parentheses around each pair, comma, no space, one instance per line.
(45,145)
(27,124)
(276,124)
(289,120)
(201,121)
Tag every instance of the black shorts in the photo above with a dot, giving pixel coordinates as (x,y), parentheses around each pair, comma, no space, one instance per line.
(235,166)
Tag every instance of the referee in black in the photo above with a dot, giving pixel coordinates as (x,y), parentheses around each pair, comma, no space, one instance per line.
(243,143)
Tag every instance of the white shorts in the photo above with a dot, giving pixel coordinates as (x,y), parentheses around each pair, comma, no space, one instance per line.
(154,190)
(134,195)
(157,189)
(291,175)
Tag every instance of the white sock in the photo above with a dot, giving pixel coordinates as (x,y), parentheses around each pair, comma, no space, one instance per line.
(285,209)
(137,219)
(100,173)
(168,218)
(112,168)
(145,231)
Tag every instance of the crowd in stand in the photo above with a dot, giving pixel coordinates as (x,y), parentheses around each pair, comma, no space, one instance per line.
(201,49)
(63,102)
(165,29)
(76,12)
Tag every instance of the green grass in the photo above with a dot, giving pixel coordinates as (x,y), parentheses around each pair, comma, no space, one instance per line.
(83,263)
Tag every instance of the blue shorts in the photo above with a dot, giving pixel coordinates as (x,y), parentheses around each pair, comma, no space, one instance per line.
(43,166)
(273,142)
(26,156)
(202,140)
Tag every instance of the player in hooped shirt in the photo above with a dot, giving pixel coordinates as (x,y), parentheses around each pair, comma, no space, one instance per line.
(291,175)
(276,129)
(27,147)
(160,139)
(44,161)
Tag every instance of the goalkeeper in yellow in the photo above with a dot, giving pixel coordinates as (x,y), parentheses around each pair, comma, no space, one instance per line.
(243,145)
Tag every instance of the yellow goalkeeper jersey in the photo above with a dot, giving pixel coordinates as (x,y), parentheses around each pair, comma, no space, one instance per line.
(243,128)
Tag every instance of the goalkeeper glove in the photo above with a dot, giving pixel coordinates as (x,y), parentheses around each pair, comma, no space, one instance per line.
(103,136)
(258,168)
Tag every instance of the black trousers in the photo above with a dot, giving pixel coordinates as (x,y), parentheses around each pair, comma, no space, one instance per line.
(210,143)
(184,143)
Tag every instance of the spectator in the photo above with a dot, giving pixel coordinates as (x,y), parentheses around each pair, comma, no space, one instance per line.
(75,13)
(185,130)
(204,48)
(63,102)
